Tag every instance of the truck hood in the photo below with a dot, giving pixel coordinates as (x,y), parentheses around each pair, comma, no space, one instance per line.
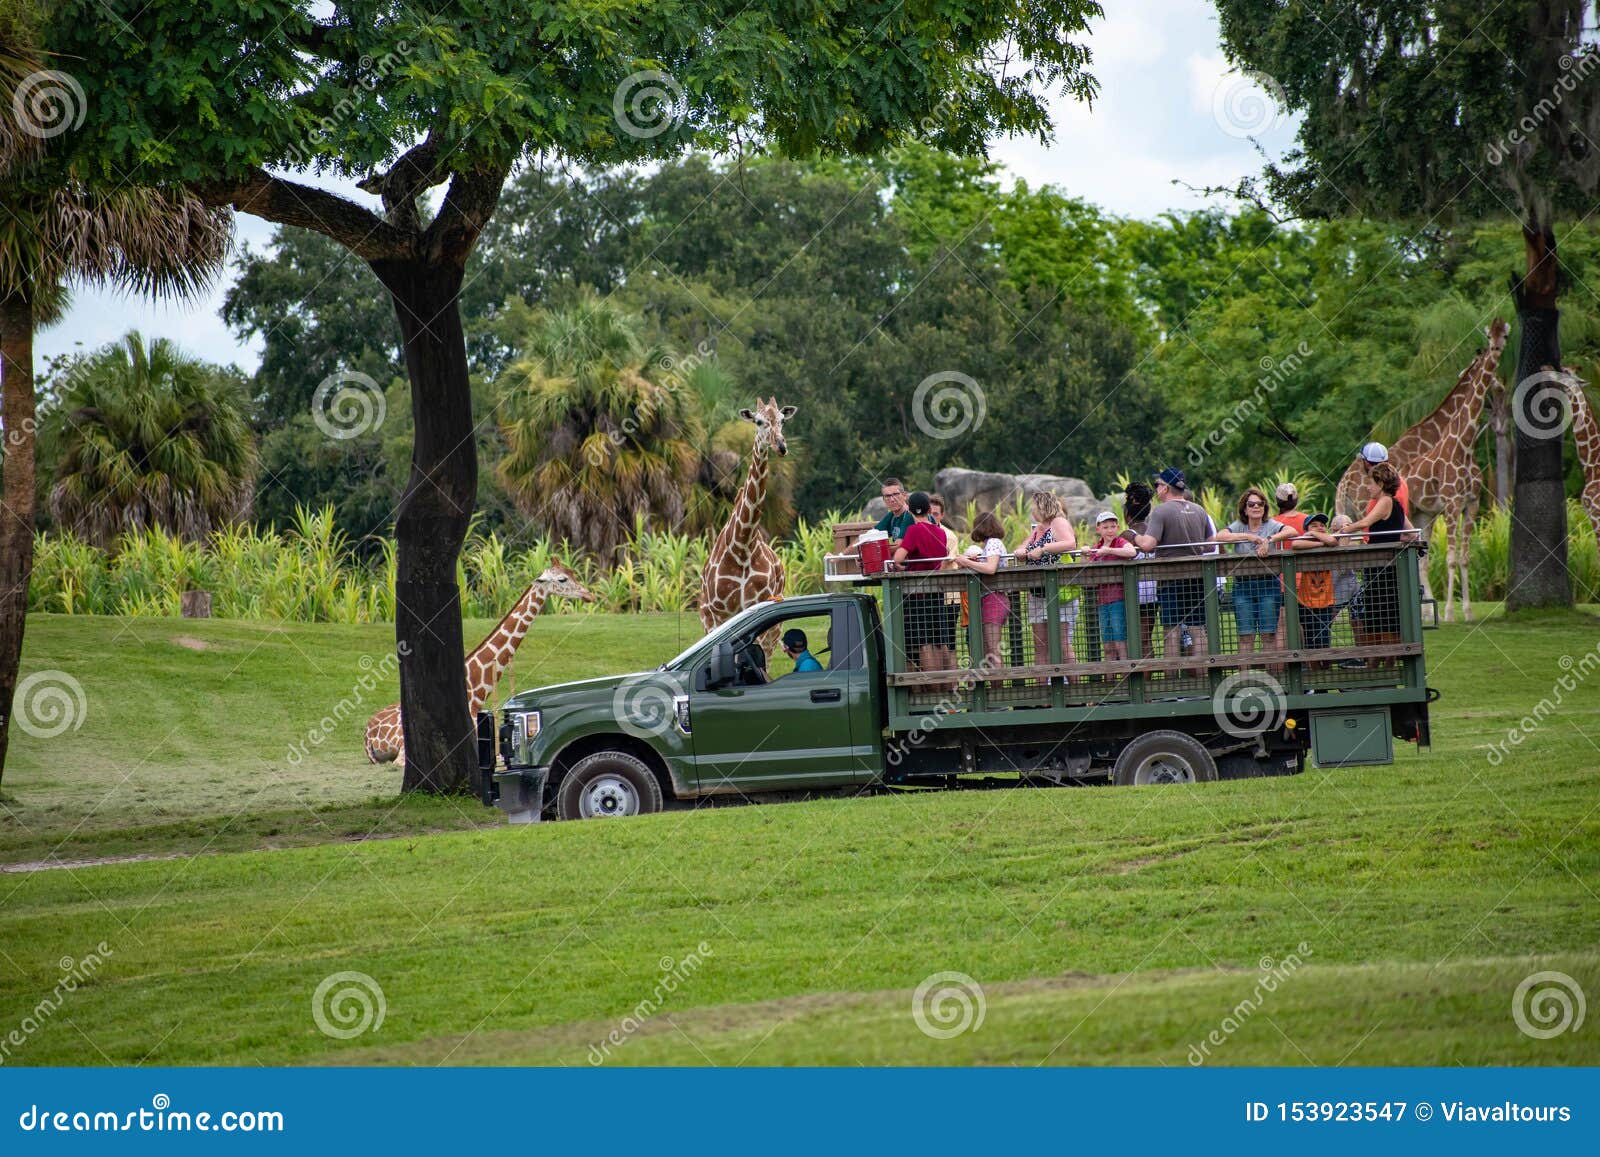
(585,690)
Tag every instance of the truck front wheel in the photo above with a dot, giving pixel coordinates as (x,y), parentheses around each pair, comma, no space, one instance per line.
(1164,757)
(605,784)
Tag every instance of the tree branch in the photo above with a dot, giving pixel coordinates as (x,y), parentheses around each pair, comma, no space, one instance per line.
(415,171)
(467,207)
(359,230)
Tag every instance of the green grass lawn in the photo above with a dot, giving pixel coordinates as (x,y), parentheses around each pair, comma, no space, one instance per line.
(1101,925)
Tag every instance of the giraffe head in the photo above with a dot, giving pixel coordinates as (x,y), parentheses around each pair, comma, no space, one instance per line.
(769,418)
(557,581)
(1497,334)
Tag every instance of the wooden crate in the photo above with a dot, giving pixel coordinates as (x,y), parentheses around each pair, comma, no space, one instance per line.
(845,536)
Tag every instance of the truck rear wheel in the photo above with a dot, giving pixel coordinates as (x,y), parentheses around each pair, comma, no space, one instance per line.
(1164,757)
(607,784)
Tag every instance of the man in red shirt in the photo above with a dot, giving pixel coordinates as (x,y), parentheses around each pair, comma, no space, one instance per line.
(923,549)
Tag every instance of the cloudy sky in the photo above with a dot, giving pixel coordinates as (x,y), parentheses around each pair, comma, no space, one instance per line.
(1169,111)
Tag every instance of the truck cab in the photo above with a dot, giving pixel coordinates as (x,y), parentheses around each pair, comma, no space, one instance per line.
(718,719)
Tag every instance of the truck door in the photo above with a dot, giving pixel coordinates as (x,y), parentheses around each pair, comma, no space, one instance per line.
(792,731)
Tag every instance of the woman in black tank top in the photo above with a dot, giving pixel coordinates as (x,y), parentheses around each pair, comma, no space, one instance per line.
(1378,622)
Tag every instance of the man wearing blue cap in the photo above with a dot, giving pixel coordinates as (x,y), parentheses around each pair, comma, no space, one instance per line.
(1178,528)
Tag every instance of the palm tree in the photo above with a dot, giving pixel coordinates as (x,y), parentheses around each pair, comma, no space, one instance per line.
(54,232)
(599,430)
(152,438)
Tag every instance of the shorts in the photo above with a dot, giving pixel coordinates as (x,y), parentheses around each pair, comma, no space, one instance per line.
(1183,602)
(1256,601)
(1039,609)
(996,608)
(1316,626)
(949,620)
(924,621)
(1113,623)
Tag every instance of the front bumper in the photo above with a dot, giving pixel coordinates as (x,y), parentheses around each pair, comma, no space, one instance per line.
(520,793)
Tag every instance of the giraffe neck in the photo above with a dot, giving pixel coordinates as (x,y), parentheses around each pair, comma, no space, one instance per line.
(1586,433)
(746,516)
(490,657)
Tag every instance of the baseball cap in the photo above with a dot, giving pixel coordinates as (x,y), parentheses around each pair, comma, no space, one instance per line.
(1172,476)
(1103,516)
(1374,452)
(1310,518)
(794,638)
(919,503)
(1286,492)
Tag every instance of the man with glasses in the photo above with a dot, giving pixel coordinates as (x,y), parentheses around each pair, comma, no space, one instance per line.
(899,519)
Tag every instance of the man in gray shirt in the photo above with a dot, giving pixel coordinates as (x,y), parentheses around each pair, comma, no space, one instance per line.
(1178,527)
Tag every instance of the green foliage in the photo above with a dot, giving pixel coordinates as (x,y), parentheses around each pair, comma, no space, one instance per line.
(151,438)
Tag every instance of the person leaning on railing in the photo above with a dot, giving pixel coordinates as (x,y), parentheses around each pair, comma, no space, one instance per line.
(1256,597)
(1376,613)
(1178,527)
(1049,541)
(950,616)
(923,549)
(989,545)
(1313,589)
(1135,511)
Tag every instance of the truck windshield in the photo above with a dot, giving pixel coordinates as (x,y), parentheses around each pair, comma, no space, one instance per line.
(726,630)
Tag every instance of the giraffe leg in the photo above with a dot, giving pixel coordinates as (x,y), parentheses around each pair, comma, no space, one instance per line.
(1464,557)
(1449,568)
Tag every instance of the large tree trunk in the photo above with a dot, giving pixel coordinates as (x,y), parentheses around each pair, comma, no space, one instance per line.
(1539,504)
(16,496)
(441,748)
(1505,450)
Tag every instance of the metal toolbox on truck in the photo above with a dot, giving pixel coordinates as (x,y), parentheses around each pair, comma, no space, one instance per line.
(1352,737)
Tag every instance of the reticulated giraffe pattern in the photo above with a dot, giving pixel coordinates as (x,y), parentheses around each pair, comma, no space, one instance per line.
(742,569)
(1437,458)
(486,662)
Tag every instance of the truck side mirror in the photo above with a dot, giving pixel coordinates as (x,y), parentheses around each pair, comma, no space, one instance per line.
(721,671)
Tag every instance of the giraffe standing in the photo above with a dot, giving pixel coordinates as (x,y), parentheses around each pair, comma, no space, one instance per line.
(742,568)
(1437,459)
(385,738)
(1586,431)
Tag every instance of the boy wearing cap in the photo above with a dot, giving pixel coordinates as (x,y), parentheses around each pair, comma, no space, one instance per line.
(1111,547)
(1313,589)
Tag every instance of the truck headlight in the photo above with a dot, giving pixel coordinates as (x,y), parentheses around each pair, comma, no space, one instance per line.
(524,729)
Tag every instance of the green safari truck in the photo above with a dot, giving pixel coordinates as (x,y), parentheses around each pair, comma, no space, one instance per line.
(914,690)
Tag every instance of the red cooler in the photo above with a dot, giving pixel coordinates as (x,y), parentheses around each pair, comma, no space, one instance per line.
(873,555)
